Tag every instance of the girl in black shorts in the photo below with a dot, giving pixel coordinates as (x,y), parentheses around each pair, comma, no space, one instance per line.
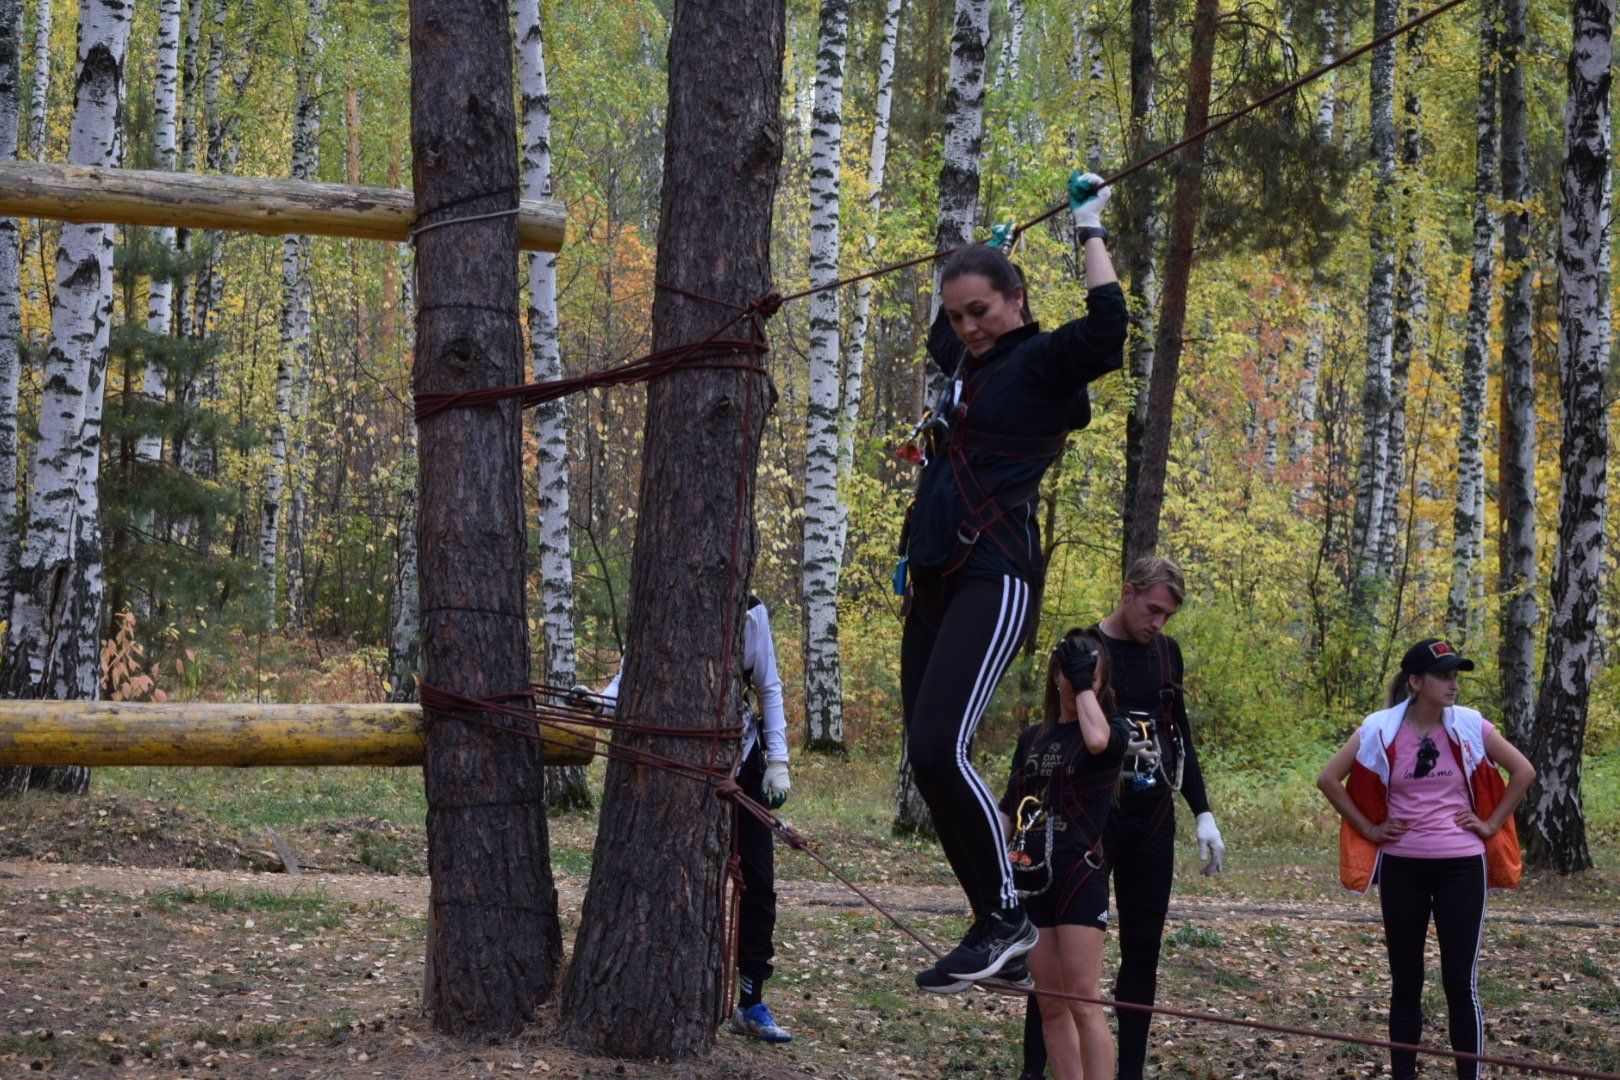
(1058,797)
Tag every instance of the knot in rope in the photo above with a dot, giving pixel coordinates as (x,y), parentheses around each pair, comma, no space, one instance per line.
(768,304)
(728,789)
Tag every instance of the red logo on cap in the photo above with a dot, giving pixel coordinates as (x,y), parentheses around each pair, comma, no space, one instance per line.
(1440,648)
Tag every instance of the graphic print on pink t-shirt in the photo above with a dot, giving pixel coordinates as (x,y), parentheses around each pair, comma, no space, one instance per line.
(1429,803)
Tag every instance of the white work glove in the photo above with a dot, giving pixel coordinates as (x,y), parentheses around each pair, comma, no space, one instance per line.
(1210,845)
(1144,751)
(583,697)
(776,784)
(1087,197)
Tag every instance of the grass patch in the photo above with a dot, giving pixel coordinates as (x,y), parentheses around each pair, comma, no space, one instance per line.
(228,900)
(1189,936)
(249,799)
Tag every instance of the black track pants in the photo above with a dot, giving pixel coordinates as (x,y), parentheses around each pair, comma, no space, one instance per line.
(1453,891)
(959,636)
(1141,847)
(756,914)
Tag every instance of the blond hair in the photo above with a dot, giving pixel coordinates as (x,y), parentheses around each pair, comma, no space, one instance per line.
(1150,570)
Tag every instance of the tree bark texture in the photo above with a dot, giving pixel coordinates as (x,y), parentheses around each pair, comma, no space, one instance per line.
(160,291)
(1468,518)
(1516,487)
(1185,207)
(54,647)
(1138,247)
(10,298)
(1557,833)
(567,787)
(649,943)
(1374,480)
(823,554)
(494,941)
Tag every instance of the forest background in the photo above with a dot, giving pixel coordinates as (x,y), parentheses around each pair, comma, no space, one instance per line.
(275,521)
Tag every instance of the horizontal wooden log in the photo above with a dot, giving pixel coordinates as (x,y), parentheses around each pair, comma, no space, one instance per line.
(84,193)
(118,733)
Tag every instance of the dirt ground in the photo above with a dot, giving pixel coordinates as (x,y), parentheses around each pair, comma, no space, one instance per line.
(144,943)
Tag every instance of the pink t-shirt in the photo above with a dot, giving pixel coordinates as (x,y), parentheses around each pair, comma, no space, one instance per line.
(1428,803)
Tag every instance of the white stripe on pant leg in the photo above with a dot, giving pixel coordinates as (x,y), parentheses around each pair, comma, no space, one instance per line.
(1473,975)
(1003,643)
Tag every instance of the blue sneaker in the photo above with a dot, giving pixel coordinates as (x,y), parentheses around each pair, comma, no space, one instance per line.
(758,1022)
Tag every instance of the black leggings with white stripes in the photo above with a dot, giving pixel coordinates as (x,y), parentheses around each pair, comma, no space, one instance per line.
(960,634)
(1453,891)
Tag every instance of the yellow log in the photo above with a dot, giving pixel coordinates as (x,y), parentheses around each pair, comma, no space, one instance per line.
(118,733)
(85,193)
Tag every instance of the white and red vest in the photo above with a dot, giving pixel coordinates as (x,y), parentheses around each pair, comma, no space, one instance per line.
(1368,786)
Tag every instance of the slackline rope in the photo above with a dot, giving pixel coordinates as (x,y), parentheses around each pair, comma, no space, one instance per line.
(717,352)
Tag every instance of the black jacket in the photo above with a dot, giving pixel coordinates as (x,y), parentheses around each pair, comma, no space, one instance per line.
(975,505)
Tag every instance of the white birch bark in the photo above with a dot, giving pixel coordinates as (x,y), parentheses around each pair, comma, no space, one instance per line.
(292,362)
(1557,823)
(10,296)
(1090,76)
(1303,444)
(405,651)
(823,687)
(53,650)
(1517,484)
(567,787)
(160,296)
(39,104)
(1373,477)
(859,323)
(1468,517)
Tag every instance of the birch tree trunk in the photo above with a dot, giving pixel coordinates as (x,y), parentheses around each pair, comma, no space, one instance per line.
(160,295)
(1557,823)
(649,943)
(958,211)
(39,103)
(567,787)
(1517,484)
(823,681)
(405,648)
(1373,480)
(54,647)
(10,299)
(494,941)
(1408,338)
(292,360)
(1138,248)
(1468,518)
(860,321)
(1090,78)
(1302,447)
(185,155)
(1186,206)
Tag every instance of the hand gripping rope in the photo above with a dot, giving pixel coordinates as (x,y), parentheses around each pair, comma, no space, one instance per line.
(544,707)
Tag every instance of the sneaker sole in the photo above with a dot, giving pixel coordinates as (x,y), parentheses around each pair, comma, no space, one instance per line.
(1015,950)
(958,987)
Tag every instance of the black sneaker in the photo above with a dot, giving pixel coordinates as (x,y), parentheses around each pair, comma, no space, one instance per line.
(989,944)
(1014,973)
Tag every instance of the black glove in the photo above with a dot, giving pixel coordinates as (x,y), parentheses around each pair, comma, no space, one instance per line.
(1078,663)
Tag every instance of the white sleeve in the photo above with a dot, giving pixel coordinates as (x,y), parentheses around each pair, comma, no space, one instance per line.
(609,694)
(759,660)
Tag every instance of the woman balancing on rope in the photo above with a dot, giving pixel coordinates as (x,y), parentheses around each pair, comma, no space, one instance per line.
(1426,816)
(973,551)
(1057,803)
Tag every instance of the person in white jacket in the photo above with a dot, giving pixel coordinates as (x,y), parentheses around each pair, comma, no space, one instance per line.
(763,778)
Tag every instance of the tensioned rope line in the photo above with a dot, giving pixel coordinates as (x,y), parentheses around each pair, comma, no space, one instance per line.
(656,364)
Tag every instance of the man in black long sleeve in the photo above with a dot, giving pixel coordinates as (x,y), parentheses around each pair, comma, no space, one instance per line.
(1146,672)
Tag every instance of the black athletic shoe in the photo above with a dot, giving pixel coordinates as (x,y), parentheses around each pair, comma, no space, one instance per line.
(1014,973)
(993,940)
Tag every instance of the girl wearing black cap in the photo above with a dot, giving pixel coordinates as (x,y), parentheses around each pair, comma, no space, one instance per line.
(1428,818)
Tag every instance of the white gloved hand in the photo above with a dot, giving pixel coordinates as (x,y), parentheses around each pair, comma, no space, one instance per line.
(1087,197)
(1210,845)
(776,783)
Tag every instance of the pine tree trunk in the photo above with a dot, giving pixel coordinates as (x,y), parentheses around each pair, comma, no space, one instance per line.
(1517,483)
(1186,205)
(1138,248)
(823,679)
(1374,475)
(860,322)
(649,943)
(54,646)
(1468,519)
(292,360)
(10,299)
(494,940)
(405,638)
(1556,836)
(567,786)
